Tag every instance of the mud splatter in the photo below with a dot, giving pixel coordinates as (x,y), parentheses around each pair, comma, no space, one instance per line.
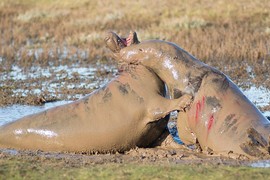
(213,101)
(123,88)
(107,96)
(176,93)
(256,145)
(222,81)
(229,123)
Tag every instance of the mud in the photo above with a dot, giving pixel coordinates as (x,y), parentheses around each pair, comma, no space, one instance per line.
(136,156)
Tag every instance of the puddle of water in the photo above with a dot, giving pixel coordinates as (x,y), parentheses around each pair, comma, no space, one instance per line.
(62,71)
(10,151)
(261,164)
(11,113)
(260,96)
(57,77)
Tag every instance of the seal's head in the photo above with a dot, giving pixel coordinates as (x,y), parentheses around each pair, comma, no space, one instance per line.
(116,43)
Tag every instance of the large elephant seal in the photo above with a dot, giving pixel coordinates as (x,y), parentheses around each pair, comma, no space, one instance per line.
(129,111)
(220,118)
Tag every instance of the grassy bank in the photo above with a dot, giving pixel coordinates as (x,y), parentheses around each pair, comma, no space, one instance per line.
(26,169)
(231,36)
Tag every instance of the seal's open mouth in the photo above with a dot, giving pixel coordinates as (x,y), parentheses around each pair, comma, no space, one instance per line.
(130,39)
(127,41)
(116,43)
(123,40)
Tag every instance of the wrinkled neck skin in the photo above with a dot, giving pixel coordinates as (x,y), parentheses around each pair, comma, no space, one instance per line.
(170,62)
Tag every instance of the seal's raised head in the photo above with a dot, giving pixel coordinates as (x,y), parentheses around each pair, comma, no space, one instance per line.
(116,43)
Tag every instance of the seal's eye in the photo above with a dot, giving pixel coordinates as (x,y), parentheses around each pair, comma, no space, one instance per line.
(118,42)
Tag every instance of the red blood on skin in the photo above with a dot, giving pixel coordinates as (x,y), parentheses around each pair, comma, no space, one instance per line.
(199,108)
(203,101)
(210,122)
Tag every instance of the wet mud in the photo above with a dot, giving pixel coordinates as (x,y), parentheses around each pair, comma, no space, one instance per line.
(136,156)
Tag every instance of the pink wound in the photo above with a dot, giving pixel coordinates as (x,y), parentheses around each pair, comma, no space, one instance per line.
(210,122)
(203,101)
(199,108)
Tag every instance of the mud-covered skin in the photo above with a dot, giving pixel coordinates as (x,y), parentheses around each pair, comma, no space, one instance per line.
(129,111)
(117,117)
(220,118)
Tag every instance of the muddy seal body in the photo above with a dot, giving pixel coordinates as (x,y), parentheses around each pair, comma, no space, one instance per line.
(129,111)
(220,118)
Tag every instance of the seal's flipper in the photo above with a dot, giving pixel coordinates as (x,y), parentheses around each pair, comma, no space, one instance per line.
(167,106)
(184,130)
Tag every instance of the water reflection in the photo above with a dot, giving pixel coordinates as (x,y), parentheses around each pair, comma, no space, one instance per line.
(261,164)
(11,113)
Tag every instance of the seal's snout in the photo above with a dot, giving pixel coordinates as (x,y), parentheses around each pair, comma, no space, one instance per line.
(111,41)
(114,42)
(108,36)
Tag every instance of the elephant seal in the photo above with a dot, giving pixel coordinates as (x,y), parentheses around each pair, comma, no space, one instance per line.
(221,118)
(128,112)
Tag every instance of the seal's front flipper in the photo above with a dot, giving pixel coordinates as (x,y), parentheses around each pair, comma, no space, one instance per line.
(163,106)
(184,130)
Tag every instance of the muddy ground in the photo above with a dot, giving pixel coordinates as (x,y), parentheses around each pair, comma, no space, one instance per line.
(37,86)
(180,155)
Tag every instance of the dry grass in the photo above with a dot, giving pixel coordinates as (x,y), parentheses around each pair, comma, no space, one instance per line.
(228,35)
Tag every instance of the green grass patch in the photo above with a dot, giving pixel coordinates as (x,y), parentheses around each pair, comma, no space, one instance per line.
(30,169)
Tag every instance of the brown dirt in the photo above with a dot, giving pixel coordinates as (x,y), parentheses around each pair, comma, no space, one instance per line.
(146,156)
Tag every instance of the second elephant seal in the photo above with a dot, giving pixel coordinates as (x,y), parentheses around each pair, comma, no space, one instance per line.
(221,118)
